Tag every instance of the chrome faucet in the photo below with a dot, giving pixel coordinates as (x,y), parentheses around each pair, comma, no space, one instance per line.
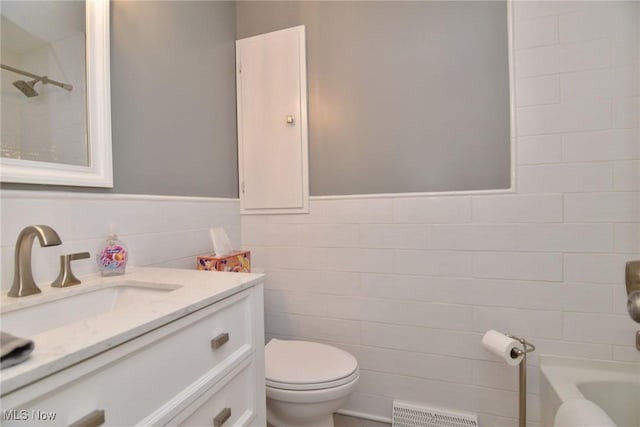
(632,280)
(23,283)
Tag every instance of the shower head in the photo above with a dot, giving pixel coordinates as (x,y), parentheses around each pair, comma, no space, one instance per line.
(26,87)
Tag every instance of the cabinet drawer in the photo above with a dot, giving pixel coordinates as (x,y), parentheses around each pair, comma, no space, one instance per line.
(133,380)
(230,402)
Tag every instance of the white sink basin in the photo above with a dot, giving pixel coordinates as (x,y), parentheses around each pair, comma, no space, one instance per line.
(77,304)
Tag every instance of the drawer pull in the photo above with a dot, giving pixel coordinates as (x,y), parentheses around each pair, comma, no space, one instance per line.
(222,417)
(220,340)
(93,419)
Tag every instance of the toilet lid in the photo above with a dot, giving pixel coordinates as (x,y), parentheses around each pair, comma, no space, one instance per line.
(301,363)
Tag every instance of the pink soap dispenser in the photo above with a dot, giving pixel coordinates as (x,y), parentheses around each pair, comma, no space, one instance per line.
(112,257)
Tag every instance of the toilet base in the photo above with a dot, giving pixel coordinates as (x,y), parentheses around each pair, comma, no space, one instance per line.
(322,422)
(288,414)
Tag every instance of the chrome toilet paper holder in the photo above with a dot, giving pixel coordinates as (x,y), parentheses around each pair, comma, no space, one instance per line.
(527,347)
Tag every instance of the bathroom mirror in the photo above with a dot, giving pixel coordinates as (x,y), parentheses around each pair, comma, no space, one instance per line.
(56,114)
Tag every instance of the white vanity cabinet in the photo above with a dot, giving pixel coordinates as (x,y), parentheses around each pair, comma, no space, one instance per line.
(205,368)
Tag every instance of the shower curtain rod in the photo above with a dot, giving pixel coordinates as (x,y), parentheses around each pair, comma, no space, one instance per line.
(43,79)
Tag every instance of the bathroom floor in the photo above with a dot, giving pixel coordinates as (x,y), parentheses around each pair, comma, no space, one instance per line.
(345,421)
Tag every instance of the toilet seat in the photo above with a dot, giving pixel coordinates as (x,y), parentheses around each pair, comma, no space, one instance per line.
(314,386)
(303,365)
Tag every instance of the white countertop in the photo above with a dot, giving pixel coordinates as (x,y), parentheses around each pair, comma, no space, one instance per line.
(64,346)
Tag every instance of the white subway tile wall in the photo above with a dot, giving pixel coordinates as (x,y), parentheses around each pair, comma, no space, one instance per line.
(410,284)
(158,231)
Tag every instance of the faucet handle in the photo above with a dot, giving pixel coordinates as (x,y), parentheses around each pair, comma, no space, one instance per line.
(78,255)
(65,277)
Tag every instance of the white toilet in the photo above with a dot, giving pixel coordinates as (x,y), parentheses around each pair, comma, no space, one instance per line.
(306,382)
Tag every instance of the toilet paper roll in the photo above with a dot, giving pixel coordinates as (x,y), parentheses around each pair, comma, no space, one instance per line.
(502,346)
(581,413)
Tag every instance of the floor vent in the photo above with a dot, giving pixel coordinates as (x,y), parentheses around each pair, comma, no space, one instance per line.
(410,415)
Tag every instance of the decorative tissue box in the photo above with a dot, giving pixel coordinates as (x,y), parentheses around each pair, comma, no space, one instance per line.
(237,262)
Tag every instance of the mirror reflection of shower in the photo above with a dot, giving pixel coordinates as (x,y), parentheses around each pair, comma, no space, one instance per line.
(27,88)
(43,82)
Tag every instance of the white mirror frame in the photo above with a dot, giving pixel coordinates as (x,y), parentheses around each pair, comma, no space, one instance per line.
(99,173)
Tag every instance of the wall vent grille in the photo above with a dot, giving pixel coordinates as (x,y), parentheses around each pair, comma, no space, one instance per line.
(410,415)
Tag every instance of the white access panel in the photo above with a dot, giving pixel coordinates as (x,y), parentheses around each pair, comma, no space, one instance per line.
(272,122)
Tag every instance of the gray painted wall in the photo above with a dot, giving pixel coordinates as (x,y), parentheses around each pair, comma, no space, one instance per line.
(403,96)
(172,100)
